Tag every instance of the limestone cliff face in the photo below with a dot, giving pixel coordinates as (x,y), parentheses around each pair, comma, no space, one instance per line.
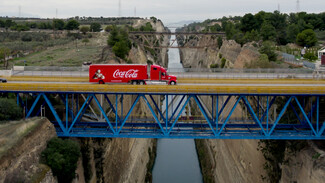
(205,54)
(147,48)
(235,160)
(308,165)
(21,145)
(116,160)
(235,55)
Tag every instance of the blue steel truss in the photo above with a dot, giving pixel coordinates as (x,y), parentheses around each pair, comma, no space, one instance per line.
(296,116)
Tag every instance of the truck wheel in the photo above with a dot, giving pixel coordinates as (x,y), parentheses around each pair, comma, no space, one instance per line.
(101,82)
(172,83)
(134,82)
(141,82)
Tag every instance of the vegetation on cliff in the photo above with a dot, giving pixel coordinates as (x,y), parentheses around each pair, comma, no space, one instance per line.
(9,110)
(62,156)
(119,41)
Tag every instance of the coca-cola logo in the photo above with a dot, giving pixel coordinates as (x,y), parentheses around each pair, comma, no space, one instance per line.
(132,73)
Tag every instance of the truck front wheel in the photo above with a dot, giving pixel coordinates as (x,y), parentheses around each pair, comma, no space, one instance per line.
(172,83)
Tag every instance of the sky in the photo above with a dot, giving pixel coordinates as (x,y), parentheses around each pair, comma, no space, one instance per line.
(169,11)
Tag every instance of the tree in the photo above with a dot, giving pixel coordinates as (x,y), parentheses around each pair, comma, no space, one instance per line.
(268,48)
(4,53)
(9,23)
(72,25)
(119,41)
(84,29)
(9,110)
(62,156)
(292,32)
(2,23)
(58,24)
(109,28)
(95,27)
(306,38)
(248,23)
(268,32)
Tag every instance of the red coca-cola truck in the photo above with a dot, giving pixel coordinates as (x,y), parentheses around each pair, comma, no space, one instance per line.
(129,73)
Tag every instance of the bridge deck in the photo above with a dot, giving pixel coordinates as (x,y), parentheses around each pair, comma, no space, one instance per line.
(181,89)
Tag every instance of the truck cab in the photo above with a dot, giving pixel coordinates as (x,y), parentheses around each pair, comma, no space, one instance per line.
(158,73)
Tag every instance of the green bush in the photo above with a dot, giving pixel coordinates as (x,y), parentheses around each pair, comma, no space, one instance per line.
(223,62)
(214,65)
(9,110)
(310,56)
(62,156)
(268,48)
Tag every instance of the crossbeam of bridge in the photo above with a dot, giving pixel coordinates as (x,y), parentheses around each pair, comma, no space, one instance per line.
(175,33)
(268,115)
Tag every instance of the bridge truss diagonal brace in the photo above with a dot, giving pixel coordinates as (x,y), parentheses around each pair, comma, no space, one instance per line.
(251,111)
(228,117)
(279,116)
(305,115)
(197,100)
(128,114)
(179,114)
(104,114)
(153,114)
(81,110)
(266,112)
(112,106)
(55,114)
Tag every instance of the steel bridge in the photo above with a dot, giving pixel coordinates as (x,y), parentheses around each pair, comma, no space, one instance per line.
(183,111)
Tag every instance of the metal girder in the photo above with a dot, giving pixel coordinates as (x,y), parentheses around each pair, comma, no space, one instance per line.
(173,124)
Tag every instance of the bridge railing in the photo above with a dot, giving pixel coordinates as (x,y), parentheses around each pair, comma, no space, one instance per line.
(215,73)
(204,73)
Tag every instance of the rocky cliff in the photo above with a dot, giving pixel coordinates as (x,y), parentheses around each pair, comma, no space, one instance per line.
(21,145)
(115,160)
(146,48)
(235,56)
(307,165)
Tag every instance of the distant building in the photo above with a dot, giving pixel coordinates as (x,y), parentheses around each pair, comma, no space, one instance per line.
(321,52)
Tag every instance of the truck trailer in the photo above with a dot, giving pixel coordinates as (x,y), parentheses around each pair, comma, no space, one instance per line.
(129,73)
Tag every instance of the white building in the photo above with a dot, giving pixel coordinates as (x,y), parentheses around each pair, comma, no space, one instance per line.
(321,52)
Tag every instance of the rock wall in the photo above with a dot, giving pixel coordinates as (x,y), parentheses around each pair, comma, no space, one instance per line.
(147,47)
(117,160)
(308,165)
(21,145)
(235,160)
(235,55)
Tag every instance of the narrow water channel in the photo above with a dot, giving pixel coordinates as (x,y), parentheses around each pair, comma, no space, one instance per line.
(176,159)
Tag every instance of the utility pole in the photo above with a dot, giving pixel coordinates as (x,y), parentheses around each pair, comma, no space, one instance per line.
(297,7)
(119,8)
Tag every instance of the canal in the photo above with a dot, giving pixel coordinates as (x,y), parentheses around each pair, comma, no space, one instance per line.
(176,159)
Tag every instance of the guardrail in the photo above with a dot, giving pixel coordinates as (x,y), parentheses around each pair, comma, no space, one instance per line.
(204,73)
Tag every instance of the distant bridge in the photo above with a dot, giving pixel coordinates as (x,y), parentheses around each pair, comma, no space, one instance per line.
(176,33)
(144,35)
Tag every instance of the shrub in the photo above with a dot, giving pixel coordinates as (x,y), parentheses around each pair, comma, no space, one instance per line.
(62,156)
(9,109)
(214,65)
(268,48)
(310,56)
(26,38)
(223,62)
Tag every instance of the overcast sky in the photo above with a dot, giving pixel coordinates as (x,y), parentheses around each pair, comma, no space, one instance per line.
(166,10)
